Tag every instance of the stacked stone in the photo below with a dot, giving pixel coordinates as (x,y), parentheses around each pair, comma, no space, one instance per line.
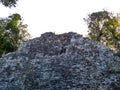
(60,62)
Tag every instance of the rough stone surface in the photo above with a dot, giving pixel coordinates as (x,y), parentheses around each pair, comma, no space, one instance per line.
(60,62)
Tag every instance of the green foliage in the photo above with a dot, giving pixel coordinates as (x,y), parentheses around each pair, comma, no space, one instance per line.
(104,27)
(12,33)
(9,3)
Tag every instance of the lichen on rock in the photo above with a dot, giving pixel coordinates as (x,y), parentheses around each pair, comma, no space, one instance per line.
(66,61)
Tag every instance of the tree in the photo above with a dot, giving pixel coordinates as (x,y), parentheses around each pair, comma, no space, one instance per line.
(9,3)
(104,27)
(12,30)
(12,33)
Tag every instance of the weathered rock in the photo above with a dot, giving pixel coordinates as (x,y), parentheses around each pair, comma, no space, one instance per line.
(60,62)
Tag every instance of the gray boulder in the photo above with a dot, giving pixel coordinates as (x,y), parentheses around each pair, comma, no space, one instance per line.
(67,61)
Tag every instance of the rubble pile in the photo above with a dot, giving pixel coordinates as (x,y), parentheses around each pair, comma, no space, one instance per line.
(66,61)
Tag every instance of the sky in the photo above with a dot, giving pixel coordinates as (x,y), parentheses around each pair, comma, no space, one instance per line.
(58,16)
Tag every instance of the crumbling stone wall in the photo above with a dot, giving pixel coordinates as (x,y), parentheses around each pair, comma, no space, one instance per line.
(60,62)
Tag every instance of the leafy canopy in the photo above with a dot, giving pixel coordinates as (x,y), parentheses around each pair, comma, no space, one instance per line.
(9,3)
(104,27)
(12,33)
